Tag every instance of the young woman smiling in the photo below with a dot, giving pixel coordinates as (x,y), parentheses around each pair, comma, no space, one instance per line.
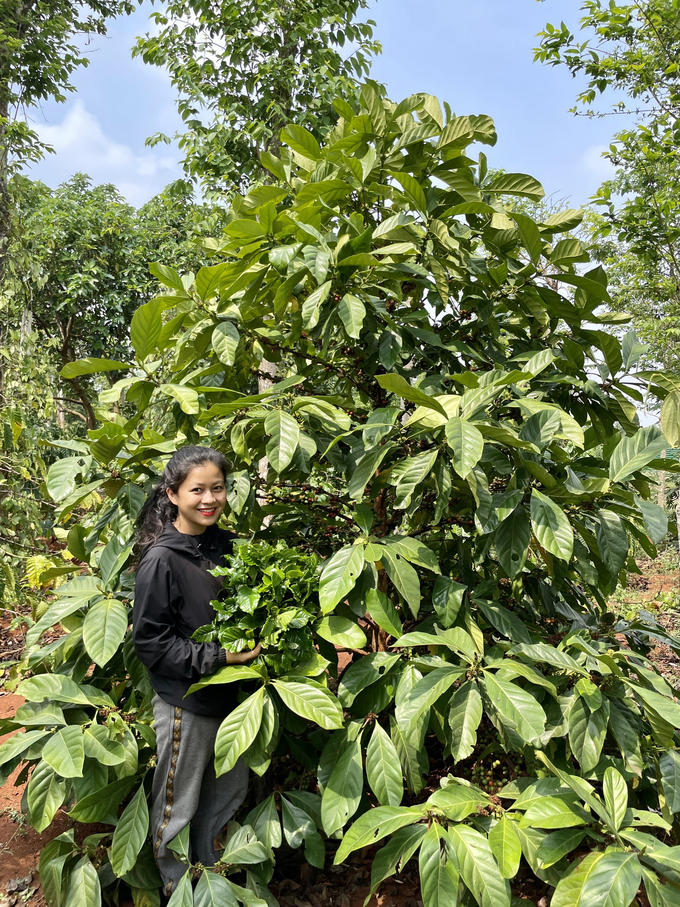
(180,542)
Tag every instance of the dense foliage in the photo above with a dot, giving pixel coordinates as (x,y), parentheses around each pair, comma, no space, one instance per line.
(452,429)
(244,70)
(270,596)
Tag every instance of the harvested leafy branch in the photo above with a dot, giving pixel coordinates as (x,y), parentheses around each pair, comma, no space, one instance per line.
(473,431)
(271,597)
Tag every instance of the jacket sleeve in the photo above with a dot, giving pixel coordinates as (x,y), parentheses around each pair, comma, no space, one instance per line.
(156,641)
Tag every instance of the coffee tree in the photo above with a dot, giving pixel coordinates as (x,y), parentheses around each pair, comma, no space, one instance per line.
(452,430)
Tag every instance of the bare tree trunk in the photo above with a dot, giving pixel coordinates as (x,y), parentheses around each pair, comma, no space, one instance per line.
(661,490)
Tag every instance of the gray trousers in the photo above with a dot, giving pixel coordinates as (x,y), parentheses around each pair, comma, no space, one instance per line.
(186,790)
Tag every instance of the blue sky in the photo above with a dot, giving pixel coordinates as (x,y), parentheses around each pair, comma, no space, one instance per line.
(475,54)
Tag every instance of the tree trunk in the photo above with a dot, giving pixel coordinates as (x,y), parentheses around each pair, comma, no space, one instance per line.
(677,520)
(661,490)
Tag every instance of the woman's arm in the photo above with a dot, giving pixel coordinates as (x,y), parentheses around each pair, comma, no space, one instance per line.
(157,644)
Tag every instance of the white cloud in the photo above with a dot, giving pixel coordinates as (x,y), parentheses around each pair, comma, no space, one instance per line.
(82,145)
(595,165)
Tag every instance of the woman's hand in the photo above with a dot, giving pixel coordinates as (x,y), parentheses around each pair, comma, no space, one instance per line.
(241,658)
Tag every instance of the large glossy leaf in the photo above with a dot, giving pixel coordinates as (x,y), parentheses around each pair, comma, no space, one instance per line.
(512,539)
(364,672)
(587,731)
(438,873)
(266,823)
(656,521)
(504,621)
(312,701)
(551,527)
(466,443)
(101,805)
(669,766)
(243,847)
(51,866)
(516,708)
(554,812)
(214,891)
(130,834)
(615,793)
(83,888)
(297,825)
(62,475)
(65,752)
(558,844)
(383,612)
(397,385)
(515,184)
(506,847)
(237,732)
(342,794)
(145,328)
(352,312)
(458,801)
(341,631)
(225,341)
(426,692)
(45,794)
(447,598)
(395,854)
(403,576)
(478,868)
(284,435)
(634,453)
(17,744)
(103,630)
(91,366)
(613,882)
(365,469)
(383,769)
(465,714)
(339,576)
(375,825)
(182,895)
(612,540)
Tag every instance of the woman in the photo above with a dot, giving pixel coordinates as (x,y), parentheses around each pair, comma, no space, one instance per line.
(180,543)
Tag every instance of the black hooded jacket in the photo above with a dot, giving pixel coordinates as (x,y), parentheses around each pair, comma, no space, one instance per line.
(173,591)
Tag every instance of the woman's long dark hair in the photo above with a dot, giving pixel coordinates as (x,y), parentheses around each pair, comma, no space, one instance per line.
(158,509)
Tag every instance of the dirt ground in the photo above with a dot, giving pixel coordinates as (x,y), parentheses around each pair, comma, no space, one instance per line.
(657,590)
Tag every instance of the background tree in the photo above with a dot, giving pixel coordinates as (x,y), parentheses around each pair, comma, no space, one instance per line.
(453,434)
(244,70)
(39,52)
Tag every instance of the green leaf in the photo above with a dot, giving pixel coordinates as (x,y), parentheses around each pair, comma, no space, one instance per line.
(530,235)
(99,746)
(544,652)
(61,477)
(244,848)
(551,527)
(554,812)
(284,435)
(465,714)
(311,701)
(365,470)
(632,454)
(339,576)
(364,672)
(656,521)
(613,882)
(227,674)
(458,801)
(20,742)
(558,844)
(375,825)
(615,793)
(340,631)
(504,621)
(44,795)
(612,540)
(214,891)
(238,490)
(100,805)
(512,538)
(413,189)
(426,692)
(51,866)
(65,752)
(383,769)
(670,418)
(587,731)
(515,184)
(83,888)
(413,760)
(297,825)
(352,312)
(395,384)
(237,732)
(183,894)
(392,858)
(669,767)
(403,576)
(302,141)
(266,823)
(383,612)
(103,629)
(91,366)
(130,834)
(506,847)
(146,327)
(516,708)
(478,868)
(342,794)
(187,397)
(447,598)
(466,443)
(665,707)
(225,341)
(438,873)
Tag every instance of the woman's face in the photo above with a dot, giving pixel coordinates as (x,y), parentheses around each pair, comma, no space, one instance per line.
(200,499)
